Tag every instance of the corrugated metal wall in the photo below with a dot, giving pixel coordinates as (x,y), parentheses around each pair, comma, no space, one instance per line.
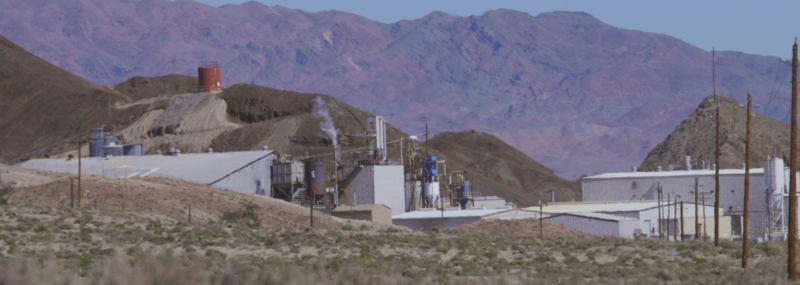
(592,226)
(731,192)
(252,179)
(389,189)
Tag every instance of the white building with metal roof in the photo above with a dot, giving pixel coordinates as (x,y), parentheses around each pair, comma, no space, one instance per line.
(428,218)
(768,192)
(244,171)
(639,217)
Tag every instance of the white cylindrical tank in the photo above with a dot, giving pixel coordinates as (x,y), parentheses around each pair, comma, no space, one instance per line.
(430,191)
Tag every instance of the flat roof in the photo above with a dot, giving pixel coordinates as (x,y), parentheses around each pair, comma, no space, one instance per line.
(611,207)
(437,214)
(594,216)
(201,168)
(703,172)
(364,207)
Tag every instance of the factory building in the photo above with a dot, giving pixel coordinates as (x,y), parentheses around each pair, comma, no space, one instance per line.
(377,184)
(768,192)
(630,219)
(597,224)
(245,172)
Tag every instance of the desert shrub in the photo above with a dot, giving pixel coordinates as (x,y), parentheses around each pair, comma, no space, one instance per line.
(5,192)
(213,253)
(246,216)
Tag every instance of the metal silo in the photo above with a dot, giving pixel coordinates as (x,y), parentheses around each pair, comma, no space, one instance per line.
(96,143)
(316,176)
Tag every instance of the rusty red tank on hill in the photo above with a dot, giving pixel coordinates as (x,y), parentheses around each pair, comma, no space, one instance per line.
(210,76)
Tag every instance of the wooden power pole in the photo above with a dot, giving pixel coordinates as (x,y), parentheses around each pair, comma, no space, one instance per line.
(682,233)
(541,220)
(718,166)
(658,194)
(746,181)
(792,173)
(696,210)
(675,215)
(669,197)
(80,144)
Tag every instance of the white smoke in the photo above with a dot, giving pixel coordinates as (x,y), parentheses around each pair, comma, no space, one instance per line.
(326,125)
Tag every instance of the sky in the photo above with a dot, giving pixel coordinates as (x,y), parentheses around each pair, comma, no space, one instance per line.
(756,27)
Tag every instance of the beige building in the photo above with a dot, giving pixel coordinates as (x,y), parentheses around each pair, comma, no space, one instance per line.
(369,212)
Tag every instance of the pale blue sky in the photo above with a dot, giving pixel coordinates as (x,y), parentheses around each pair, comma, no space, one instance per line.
(757,27)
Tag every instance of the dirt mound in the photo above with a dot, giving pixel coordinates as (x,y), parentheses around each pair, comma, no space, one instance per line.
(523,228)
(20,177)
(695,136)
(167,197)
(138,88)
(496,168)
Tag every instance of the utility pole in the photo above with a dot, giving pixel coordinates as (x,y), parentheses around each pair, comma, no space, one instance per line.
(705,233)
(658,194)
(79,143)
(746,181)
(541,220)
(190,214)
(72,192)
(669,197)
(792,175)
(696,210)
(682,235)
(675,225)
(716,169)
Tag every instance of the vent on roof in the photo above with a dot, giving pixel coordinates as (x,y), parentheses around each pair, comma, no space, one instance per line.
(503,208)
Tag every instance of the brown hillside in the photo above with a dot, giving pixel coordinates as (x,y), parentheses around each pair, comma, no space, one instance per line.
(282,121)
(497,168)
(695,136)
(43,104)
(138,88)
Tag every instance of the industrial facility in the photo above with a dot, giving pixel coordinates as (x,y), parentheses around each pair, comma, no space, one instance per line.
(768,197)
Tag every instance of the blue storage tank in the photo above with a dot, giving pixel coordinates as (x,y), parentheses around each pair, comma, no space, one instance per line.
(430,166)
(96,143)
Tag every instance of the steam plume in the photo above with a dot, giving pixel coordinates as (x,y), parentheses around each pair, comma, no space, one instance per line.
(326,125)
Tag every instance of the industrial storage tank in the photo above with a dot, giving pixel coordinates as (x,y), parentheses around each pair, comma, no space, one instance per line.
(210,76)
(96,143)
(430,191)
(463,194)
(316,176)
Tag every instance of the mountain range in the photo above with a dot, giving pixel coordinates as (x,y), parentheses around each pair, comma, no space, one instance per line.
(574,93)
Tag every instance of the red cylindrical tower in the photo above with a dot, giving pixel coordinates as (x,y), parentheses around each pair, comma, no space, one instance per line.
(210,76)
